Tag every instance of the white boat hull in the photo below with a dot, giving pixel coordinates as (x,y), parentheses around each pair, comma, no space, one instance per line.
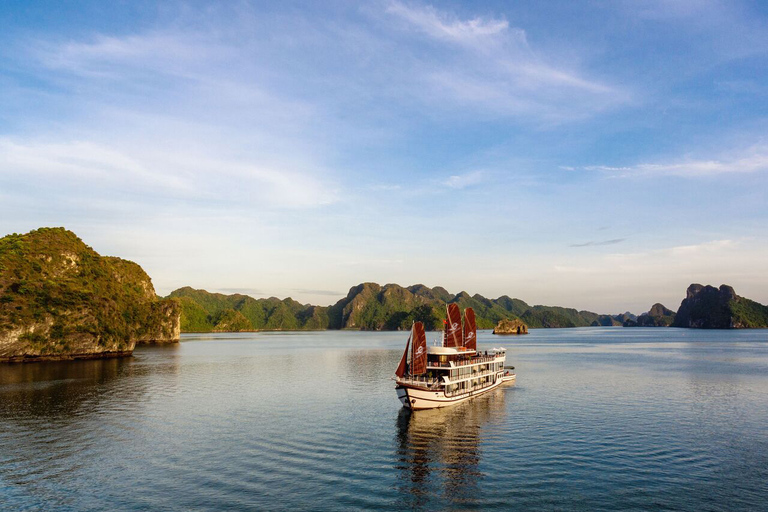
(419,399)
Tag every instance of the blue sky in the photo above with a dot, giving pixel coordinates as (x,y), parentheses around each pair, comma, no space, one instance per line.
(599,155)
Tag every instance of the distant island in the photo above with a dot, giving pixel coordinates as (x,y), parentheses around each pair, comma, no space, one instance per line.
(657,316)
(370,306)
(59,299)
(510,327)
(367,306)
(707,307)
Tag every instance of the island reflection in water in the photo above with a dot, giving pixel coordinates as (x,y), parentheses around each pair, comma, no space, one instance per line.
(57,389)
(439,450)
(64,390)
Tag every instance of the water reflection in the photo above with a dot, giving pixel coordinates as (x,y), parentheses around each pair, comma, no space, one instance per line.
(439,451)
(69,389)
(49,389)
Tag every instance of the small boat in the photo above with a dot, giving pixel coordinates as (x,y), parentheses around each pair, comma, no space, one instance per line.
(453,370)
(509,375)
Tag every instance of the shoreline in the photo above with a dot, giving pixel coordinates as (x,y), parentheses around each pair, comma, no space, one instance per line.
(65,357)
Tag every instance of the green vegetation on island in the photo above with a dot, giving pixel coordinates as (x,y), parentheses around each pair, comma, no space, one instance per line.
(202,311)
(367,306)
(370,306)
(59,299)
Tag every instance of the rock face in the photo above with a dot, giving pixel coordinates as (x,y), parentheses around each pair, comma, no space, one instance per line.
(658,316)
(510,327)
(59,299)
(707,307)
(164,325)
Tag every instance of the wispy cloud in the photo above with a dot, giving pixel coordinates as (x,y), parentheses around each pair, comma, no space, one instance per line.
(713,246)
(328,293)
(724,27)
(385,187)
(594,243)
(80,160)
(443,26)
(668,268)
(460,181)
(168,53)
(679,254)
(495,67)
(750,160)
(75,167)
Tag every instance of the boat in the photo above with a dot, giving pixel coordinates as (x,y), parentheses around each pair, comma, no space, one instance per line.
(451,371)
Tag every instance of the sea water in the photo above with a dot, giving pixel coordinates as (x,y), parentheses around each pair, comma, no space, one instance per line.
(599,419)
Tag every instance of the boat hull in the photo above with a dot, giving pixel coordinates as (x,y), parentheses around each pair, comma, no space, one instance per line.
(418,399)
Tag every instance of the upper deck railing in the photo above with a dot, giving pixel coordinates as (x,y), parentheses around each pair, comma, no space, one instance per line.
(464,362)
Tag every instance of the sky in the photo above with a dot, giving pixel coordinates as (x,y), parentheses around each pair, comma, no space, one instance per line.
(596,155)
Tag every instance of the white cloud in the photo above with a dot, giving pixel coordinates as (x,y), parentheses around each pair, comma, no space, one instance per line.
(72,167)
(77,160)
(714,246)
(597,243)
(687,258)
(460,181)
(491,64)
(442,26)
(162,53)
(753,159)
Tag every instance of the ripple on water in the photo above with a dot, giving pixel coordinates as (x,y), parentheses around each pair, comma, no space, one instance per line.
(599,420)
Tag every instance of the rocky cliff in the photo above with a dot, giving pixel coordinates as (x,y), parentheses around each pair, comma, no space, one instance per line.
(707,307)
(507,326)
(59,299)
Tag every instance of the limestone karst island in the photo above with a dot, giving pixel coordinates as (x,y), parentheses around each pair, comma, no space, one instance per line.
(59,299)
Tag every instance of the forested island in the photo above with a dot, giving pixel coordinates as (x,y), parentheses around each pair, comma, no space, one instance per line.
(367,306)
(59,299)
(370,306)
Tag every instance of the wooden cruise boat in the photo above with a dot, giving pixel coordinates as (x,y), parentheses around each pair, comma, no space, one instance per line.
(451,372)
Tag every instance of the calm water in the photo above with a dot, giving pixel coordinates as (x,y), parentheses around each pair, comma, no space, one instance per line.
(600,419)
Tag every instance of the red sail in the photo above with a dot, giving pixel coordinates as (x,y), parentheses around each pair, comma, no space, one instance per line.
(404,361)
(453,334)
(419,347)
(470,329)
